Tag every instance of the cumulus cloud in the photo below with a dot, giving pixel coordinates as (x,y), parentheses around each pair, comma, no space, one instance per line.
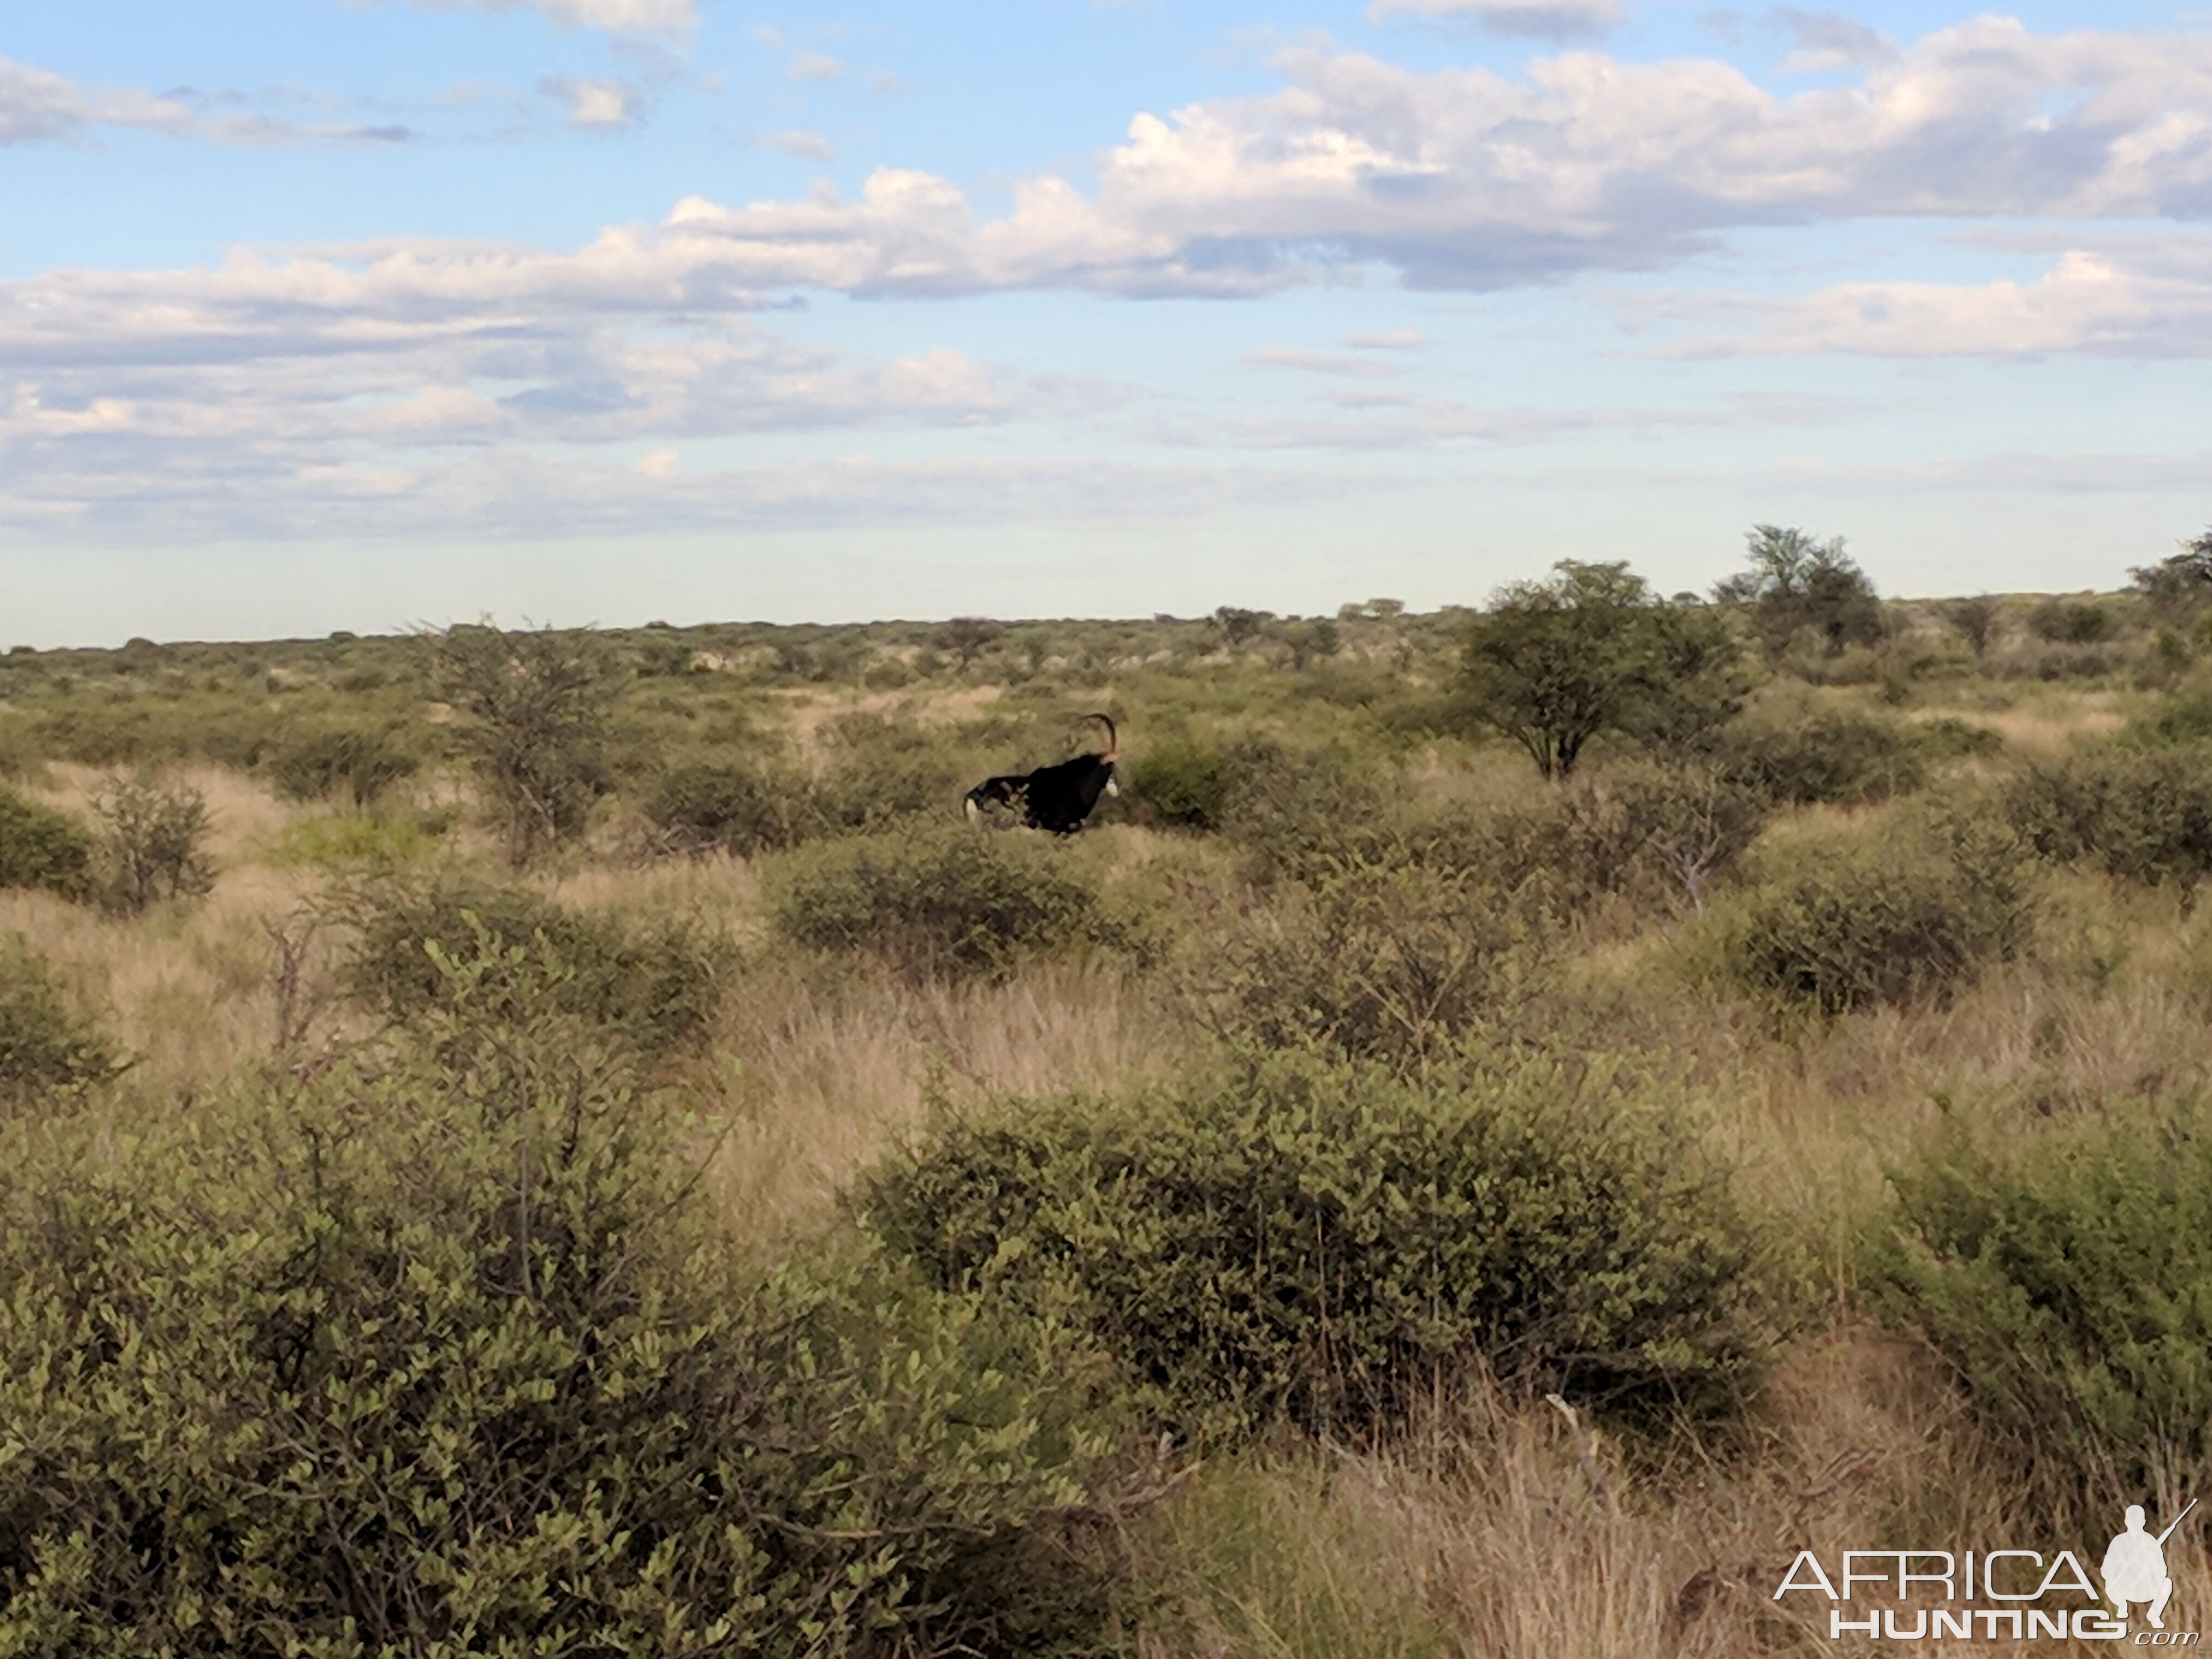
(1548,19)
(1462,179)
(37,104)
(596,104)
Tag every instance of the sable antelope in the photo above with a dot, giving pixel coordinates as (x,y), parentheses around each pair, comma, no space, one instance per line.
(1054,797)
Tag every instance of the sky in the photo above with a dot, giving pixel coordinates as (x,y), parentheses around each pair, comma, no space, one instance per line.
(320,314)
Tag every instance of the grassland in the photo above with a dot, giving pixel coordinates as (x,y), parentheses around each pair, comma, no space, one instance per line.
(1491,1521)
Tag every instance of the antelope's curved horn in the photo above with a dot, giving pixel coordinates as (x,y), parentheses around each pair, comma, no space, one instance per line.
(1113,737)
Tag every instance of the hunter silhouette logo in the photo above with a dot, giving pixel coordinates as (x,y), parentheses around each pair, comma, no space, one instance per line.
(2004,1593)
(2134,1566)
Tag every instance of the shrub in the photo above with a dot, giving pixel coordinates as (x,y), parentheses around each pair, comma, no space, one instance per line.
(2181,719)
(2144,815)
(1912,914)
(364,763)
(1301,812)
(658,985)
(877,772)
(1384,961)
(2071,621)
(153,843)
(1948,737)
(1180,781)
(732,807)
(41,848)
(2062,1281)
(1659,835)
(42,1044)
(943,900)
(1793,753)
(1319,1244)
(453,1362)
(534,704)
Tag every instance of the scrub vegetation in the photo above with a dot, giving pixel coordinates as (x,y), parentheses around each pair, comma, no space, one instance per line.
(1516,1122)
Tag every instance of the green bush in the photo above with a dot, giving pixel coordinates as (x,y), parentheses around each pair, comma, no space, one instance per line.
(1301,812)
(454,1362)
(2184,717)
(1913,913)
(1319,1244)
(2071,621)
(316,764)
(1798,754)
(152,843)
(877,772)
(1180,781)
(944,901)
(42,1044)
(1662,836)
(1384,961)
(659,985)
(2144,815)
(41,848)
(704,806)
(2062,1283)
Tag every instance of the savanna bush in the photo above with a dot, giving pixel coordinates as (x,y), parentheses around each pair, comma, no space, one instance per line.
(362,762)
(2184,717)
(1320,1243)
(1802,753)
(658,983)
(2062,1281)
(153,843)
(41,848)
(731,806)
(2143,814)
(1912,913)
(1661,836)
(946,900)
(452,1361)
(1378,961)
(1179,779)
(1300,812)
(44,1044)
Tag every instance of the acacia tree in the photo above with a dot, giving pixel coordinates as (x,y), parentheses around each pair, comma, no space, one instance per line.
(2178,584)
(966,637)
(1796,583)
(1553,664)
(534,704)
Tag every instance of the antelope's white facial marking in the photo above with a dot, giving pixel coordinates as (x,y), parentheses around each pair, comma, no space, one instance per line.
(1113,787)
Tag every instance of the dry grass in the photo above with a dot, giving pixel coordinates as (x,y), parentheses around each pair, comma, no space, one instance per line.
(1511,1529)
(817,1079)
(2046,726)
(1499,1528)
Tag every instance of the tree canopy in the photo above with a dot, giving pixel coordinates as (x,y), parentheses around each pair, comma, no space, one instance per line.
(1553,664)
(1797,584)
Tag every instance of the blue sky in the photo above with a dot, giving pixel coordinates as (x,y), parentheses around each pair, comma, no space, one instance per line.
(316,315)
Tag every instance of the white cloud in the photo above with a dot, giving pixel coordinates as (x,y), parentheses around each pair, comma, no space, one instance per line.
(37,104)
(1463,178)
(1318,362)
(1389,339)
(2094,302)
(1550,19)
(600,104)
(616,16)
(814,66)
(799,146)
